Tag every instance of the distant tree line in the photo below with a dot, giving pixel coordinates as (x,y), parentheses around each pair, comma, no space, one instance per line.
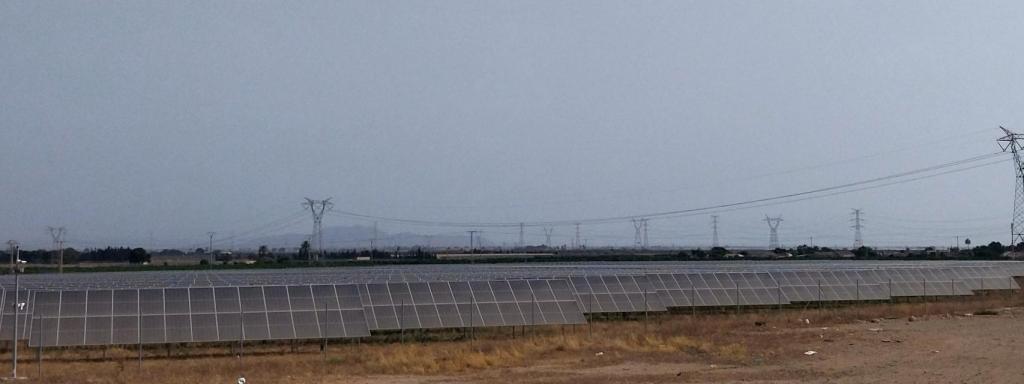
(74,256)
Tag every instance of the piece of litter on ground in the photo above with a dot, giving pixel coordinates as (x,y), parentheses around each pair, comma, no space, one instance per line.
(599,354)
(935,351)
(875,329)
(810,353)
(886,341)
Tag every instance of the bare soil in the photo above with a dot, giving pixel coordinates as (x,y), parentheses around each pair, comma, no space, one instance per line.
(941,342)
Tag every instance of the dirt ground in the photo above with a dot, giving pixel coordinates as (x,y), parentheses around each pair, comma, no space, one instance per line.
(953,342)
(936,349)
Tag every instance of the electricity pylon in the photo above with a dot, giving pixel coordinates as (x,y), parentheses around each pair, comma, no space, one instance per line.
(773,227)
(638,235)
(58,245)
(858,240)
(317,208)
(547,235)
(714,227)
(1014,143)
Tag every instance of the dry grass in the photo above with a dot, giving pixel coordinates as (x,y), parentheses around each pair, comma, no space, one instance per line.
(728,338)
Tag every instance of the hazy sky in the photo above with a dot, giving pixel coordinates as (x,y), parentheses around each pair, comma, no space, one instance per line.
(153,122)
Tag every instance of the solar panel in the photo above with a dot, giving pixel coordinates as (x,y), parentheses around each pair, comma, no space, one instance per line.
(103,317)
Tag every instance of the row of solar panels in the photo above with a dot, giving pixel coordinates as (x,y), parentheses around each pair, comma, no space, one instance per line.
(983,276)
(176,315)
(200,314)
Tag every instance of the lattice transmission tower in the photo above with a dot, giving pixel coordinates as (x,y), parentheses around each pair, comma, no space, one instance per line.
(647,243)
(578,245)
(1014,143)
(547,235)
(57,233)
(858,239)
(714,228)
(638,234)
(317,208)
(773,234)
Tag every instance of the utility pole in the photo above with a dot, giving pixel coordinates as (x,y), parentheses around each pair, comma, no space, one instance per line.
(1014,142)
(547,235)
(471,233)
(13,246)
(858,240)
(522,239)
(373,243)
(714,234)
(58,245)
(209,251)
(19,306)
(773,231)
(317,209)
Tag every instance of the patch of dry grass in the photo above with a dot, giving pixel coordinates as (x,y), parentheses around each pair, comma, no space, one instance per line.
(707,338)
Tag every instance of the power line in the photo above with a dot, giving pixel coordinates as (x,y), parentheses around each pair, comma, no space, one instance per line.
(684,212)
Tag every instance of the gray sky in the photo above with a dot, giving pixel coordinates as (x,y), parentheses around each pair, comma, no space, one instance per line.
(153,122)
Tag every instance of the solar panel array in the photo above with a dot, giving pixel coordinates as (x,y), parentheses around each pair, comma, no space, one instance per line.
(7,312)
(616,294)
(459,304)
(718,289)
(183,315)
(322,303)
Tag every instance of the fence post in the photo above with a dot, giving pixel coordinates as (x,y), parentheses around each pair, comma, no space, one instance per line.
(138,329)
(533,309)
(472,312)
(1009,287)
(241,332)
(821,304)
(590,324)
(736,284)
(778,296)
(39,350)
(323,349)
(693,303)
(645,310)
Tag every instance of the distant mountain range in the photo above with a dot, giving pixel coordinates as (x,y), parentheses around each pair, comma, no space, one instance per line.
(361,237)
